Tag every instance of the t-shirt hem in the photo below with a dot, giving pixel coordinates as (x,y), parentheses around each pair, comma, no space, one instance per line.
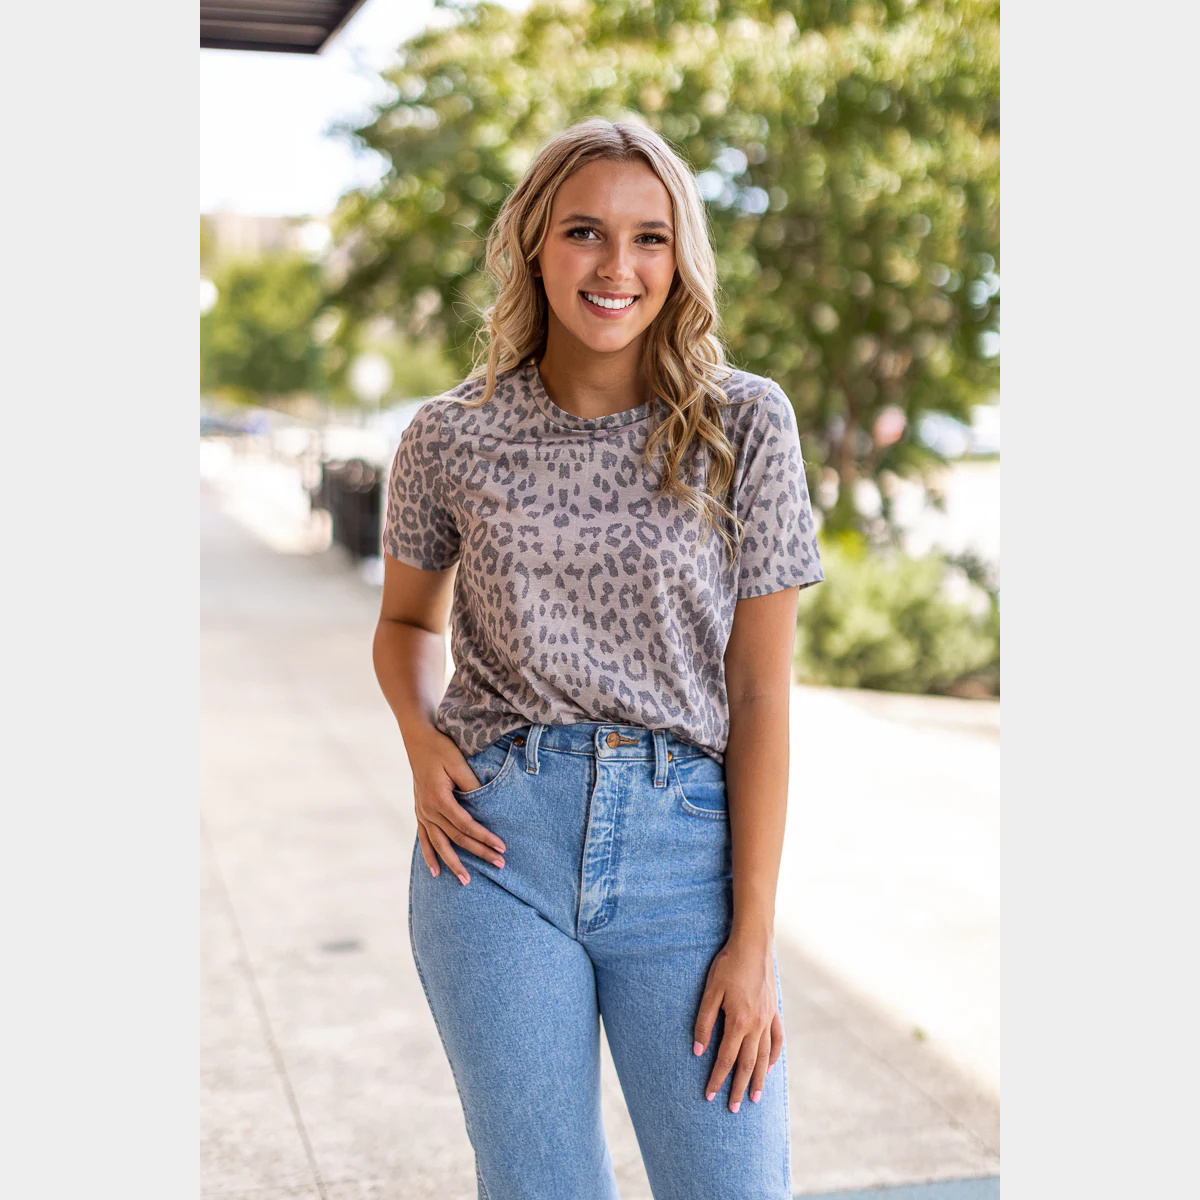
(423,564)
(804,578)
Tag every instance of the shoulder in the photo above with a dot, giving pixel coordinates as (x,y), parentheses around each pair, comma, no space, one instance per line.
(758,409)
(424,429)
(745,385)
(430,423)
(470,389)
(462,415)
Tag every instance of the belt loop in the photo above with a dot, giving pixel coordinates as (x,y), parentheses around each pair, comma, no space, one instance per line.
(531,747)
(660,757)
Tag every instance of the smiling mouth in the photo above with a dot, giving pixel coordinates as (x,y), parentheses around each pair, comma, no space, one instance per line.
(611,308)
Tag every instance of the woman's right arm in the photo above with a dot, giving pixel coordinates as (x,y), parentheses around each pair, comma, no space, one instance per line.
(409,655)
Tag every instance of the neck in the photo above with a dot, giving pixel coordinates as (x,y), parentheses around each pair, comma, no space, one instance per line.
(594,385)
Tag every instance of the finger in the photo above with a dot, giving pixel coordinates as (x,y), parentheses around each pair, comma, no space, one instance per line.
(759,1079)
(706,1018)
(482,849)
(747,1057)
(427,851)
(441,843)
(776,1040)
(469,825)
(727,1055)
(469,834)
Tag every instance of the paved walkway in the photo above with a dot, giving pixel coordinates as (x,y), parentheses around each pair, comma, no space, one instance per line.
(322,1073)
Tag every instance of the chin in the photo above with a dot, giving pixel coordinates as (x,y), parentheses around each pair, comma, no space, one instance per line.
(610,344)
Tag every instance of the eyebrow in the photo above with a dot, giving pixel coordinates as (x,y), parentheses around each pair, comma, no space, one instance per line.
(598,221)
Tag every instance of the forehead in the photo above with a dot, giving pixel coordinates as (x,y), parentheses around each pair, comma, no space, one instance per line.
(614,191)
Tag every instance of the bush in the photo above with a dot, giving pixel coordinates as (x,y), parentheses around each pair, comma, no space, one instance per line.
(886,620)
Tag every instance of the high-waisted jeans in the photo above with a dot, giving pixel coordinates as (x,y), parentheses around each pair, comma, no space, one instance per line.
(615,897)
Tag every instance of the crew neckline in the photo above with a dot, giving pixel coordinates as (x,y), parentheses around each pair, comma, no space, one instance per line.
(568,420)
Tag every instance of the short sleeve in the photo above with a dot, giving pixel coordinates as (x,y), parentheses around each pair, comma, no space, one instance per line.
(419,529)
(779,549)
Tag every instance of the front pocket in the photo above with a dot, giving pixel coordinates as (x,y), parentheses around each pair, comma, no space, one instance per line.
(491,764)
(700,787)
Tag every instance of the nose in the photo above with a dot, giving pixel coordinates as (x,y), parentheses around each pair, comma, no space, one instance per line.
(617,263)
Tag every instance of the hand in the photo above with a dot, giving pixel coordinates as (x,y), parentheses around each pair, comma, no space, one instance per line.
(437,766)
(741,980)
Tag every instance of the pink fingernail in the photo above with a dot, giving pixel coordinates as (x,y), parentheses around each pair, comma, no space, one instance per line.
(433,872)
(735,1106)
(769,1069)
(709,1095)
(756,1096)
(498,861)
(463,877)
(697,1048)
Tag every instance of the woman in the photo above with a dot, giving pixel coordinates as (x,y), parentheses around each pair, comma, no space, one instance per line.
(620,694)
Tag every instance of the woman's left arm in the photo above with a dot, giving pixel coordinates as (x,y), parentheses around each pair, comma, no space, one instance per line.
(741,980)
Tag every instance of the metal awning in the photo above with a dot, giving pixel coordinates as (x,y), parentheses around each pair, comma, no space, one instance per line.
(282,26)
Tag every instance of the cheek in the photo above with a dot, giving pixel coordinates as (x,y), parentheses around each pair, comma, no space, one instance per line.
(565,265)
(662,272)
(659,278)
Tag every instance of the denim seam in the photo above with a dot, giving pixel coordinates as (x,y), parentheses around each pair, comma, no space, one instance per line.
(509,760)
(709,814)
(611,873)
(532,746)
(412,941)
(544,749)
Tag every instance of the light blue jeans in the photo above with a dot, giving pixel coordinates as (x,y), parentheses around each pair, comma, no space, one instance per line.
(615,896)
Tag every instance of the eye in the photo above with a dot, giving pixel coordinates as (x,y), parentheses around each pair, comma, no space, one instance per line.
(658,237)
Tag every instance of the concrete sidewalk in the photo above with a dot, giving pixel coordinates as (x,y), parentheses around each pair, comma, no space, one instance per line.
(322,1072)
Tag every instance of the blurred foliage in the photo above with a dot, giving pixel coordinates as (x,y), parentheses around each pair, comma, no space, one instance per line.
(898,623)
(420,366)
(269,336)
(257,342)
(849,154)
(208,247)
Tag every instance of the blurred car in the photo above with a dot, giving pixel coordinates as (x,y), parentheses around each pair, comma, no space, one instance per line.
(233,421)
(211,426)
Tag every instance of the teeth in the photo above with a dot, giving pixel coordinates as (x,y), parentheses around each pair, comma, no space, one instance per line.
(603,303)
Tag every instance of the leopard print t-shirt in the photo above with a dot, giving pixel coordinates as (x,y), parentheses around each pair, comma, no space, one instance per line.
(581,595)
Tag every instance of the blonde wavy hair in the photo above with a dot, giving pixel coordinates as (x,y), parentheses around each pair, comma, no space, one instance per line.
(683,357)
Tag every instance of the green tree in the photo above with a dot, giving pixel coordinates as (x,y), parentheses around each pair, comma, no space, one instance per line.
(849,154)
(891,621)
(257,342)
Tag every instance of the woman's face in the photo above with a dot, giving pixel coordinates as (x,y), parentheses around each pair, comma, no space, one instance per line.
(611,236)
